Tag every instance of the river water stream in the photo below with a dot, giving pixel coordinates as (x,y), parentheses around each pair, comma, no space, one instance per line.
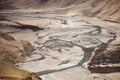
(61,50)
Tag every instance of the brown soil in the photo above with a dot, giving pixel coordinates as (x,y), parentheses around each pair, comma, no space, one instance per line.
(10,73)
(13,51)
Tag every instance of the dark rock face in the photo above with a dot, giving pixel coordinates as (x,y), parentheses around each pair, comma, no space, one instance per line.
(31,27)
(6,37)
(106,69)
(43,0)
(106,59)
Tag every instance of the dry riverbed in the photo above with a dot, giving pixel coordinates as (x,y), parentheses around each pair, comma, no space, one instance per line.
(62,44)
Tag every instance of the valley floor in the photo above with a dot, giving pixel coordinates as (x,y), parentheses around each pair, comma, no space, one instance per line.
(62,43)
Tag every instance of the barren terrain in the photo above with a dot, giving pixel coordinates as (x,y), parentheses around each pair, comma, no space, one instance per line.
(65,37)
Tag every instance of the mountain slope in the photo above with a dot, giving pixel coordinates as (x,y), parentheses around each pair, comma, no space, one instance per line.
(107,10)
(38,3)
(104,9)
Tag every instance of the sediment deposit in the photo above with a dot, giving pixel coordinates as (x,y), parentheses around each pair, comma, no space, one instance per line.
(69,37)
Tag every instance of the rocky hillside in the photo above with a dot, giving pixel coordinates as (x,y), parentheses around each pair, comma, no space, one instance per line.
(106,58)
(104,9)
(38,3)
(13,51)
(10,73)
(107,10)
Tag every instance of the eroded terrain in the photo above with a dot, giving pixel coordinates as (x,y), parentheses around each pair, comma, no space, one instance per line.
(62,44)
(71,39)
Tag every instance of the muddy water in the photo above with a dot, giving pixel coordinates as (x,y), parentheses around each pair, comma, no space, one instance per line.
(60,51)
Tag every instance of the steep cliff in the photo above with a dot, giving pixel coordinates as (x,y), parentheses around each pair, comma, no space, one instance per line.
(106,58)
(13,51)
(107,10)
(10,73)
(38,3)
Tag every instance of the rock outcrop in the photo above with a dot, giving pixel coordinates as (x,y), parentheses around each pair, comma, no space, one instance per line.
(13,51)
(107,10)
(38,4)
(10,73)
(106,58)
